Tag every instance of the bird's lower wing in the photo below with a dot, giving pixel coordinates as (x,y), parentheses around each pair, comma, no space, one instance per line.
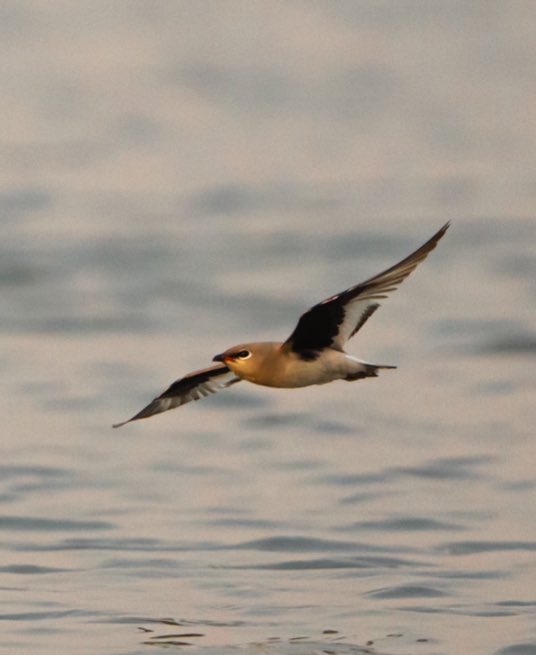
(193,386)
(333,321)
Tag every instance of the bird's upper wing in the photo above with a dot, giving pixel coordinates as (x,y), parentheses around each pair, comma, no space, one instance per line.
(334,320)
(193,386)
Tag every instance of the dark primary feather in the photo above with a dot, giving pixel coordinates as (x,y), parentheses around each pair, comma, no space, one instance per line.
(317,329)
(330,323)
(193,386)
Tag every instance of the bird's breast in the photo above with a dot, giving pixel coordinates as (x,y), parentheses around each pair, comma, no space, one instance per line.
(288,370)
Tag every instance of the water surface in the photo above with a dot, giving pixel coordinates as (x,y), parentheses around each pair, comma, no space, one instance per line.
(182,176)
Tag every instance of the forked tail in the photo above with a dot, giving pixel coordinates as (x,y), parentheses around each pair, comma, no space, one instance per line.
(368,371)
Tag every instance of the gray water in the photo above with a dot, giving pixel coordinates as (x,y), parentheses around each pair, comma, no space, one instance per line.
(178,177)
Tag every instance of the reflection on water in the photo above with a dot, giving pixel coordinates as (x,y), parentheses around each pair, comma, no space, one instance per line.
(329,641)
(182,177)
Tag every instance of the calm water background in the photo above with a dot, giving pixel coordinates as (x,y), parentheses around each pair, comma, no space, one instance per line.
(179,176)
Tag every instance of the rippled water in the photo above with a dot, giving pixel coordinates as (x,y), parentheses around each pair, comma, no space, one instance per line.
(182,176)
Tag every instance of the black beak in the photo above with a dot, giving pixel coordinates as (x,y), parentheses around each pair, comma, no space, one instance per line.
(218,358)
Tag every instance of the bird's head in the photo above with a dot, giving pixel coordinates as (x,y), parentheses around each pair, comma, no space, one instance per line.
(246,359)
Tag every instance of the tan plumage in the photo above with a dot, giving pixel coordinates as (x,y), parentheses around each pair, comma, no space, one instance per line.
(313,354)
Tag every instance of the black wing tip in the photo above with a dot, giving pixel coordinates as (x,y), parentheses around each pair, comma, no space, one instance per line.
(150,410)
(443,229)
(134,418)
(119,425)
(432,242)
(439,234)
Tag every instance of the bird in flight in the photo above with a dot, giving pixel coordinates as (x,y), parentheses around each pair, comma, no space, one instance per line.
(313,354)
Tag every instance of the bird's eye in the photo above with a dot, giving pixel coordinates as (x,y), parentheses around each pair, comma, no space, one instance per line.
(243,354)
